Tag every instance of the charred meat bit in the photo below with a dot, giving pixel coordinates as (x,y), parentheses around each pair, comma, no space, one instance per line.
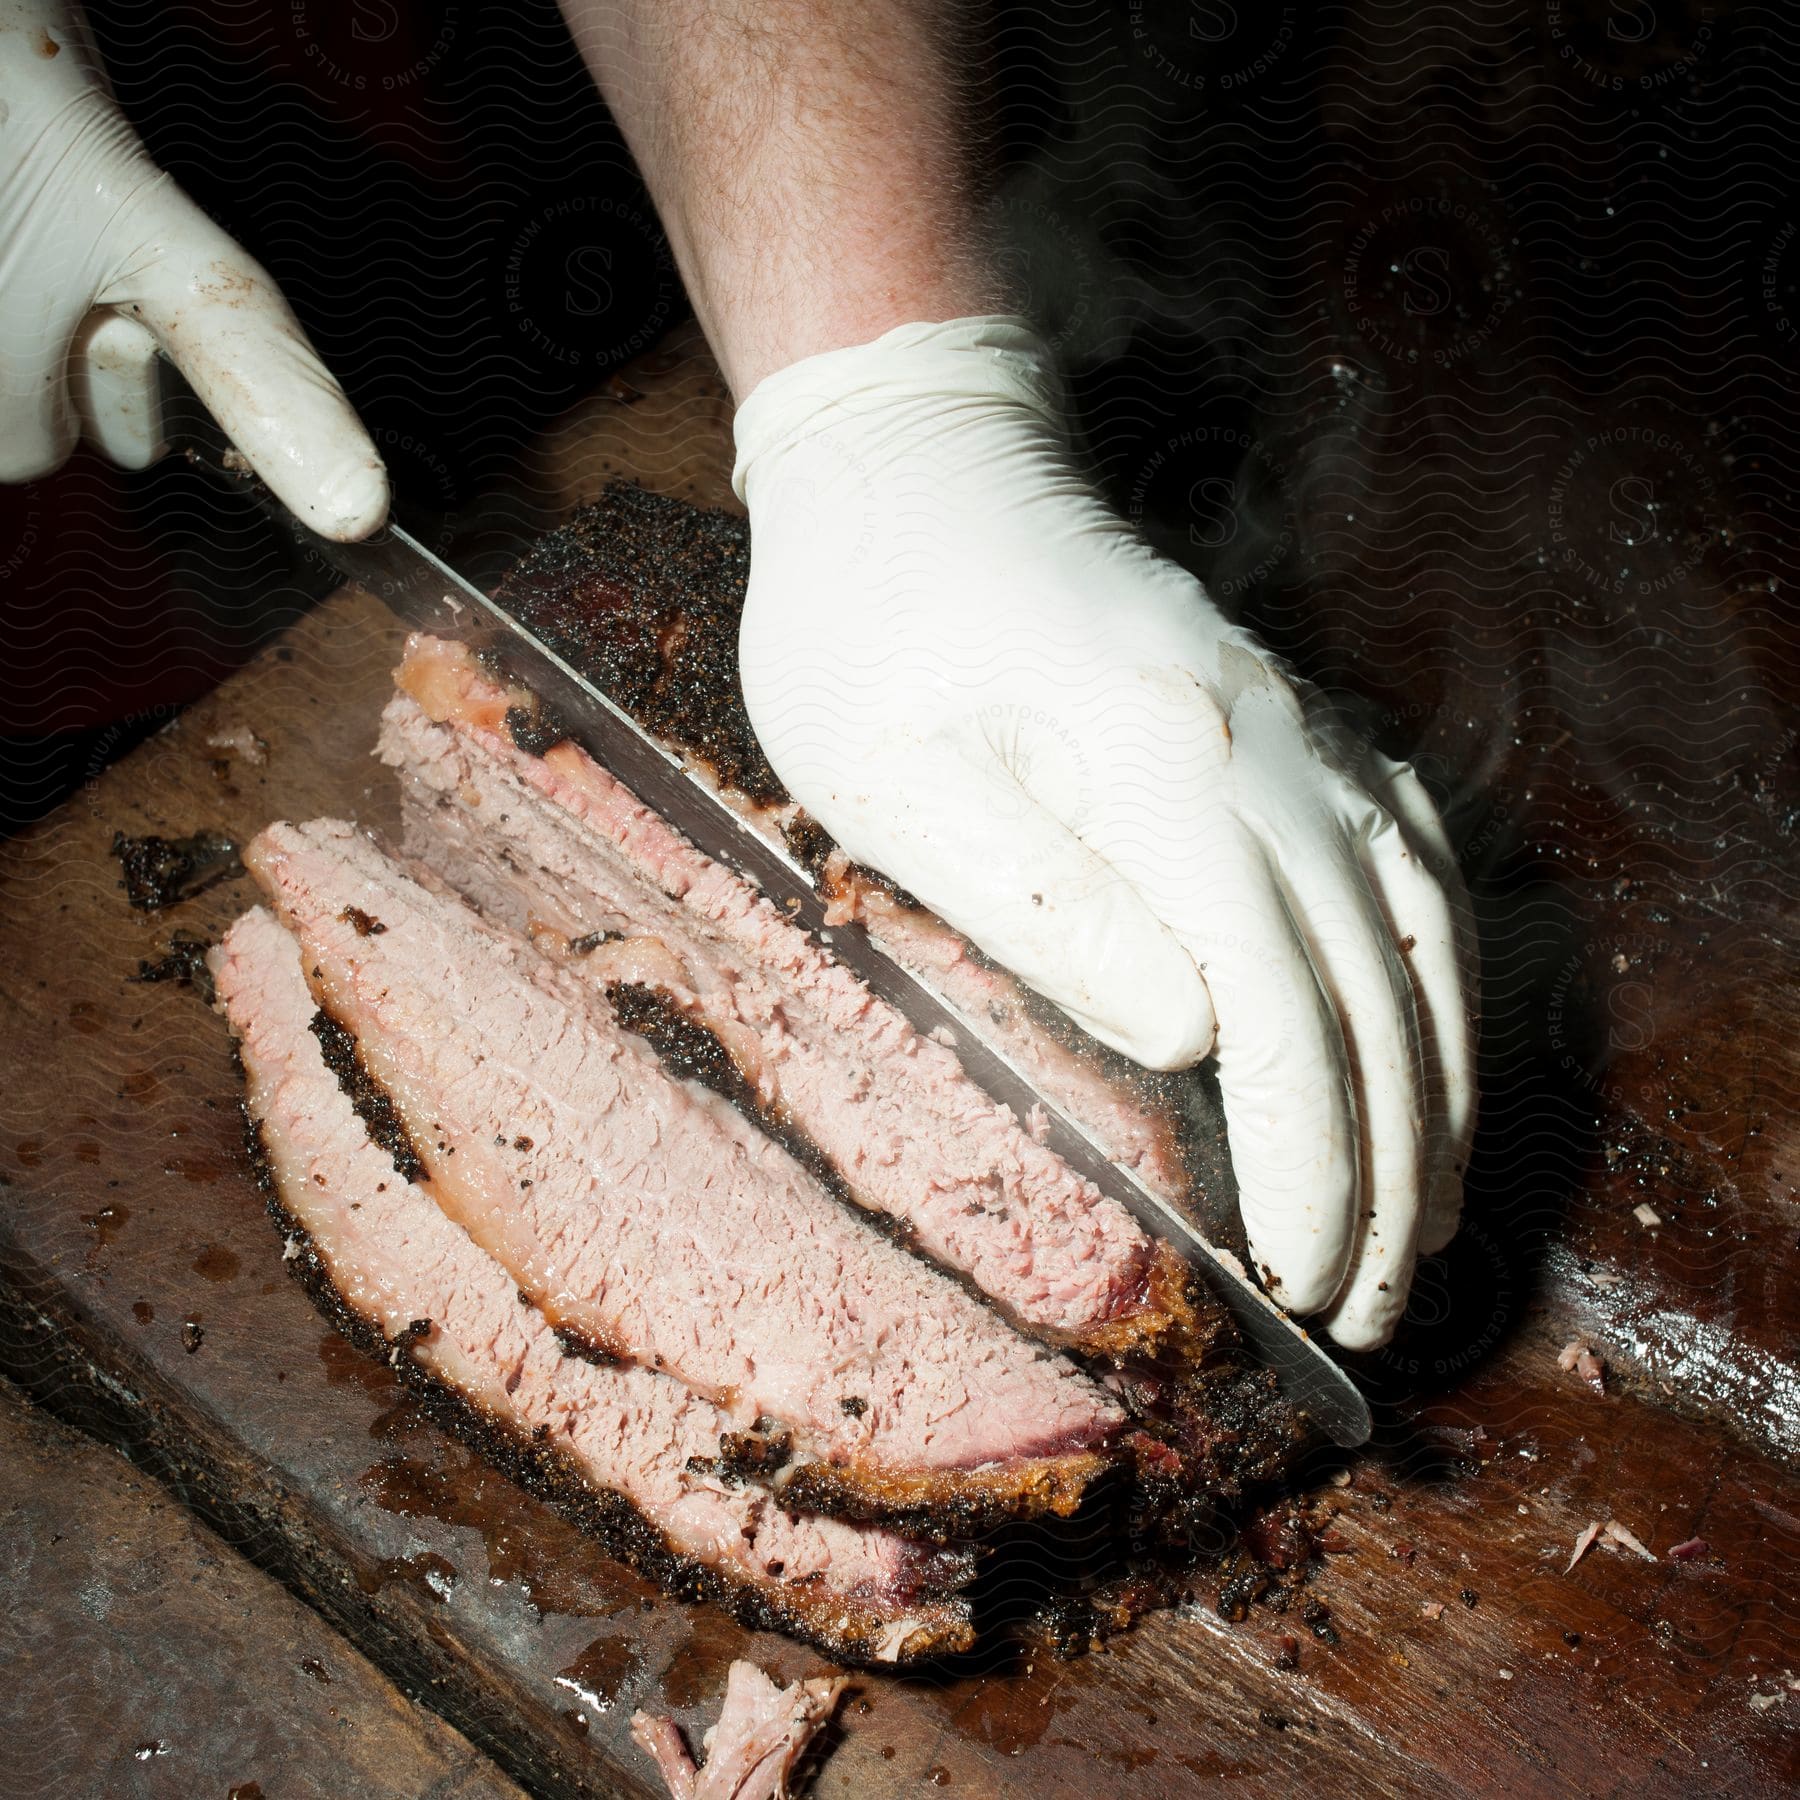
(747,1455)
(184,963)
(160,871)
(1316,1616)
(587,944)
(535,729)
(361,922)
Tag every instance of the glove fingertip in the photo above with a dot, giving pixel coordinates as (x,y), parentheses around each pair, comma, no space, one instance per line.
(1359,1331)
(352,502)
(1165,1040)
(1301,1287)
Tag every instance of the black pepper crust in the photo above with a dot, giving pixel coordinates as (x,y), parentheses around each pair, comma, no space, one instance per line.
(644,595)
(367,1097)
(837,1626)
(684,1046)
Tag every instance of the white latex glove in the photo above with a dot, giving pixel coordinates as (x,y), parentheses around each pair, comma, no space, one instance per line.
(982,683)
(103,260)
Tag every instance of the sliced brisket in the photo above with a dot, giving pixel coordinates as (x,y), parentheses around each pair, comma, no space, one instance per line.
(650,1219)
(400,1275)
(553,844)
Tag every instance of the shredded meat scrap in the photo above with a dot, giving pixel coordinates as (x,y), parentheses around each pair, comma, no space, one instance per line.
(761,1734)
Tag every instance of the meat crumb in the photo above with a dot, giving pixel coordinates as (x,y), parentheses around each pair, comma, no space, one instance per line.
(1686,1552)
(1615,1533)
(1646,1216)
(762,1733)
(1584,1360)
(1583,1544)
(160,871)
(1432,1609)
(240,741)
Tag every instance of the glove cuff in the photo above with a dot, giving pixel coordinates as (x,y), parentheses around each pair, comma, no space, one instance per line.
(994,357)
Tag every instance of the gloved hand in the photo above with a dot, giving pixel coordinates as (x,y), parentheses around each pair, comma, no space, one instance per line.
(983,684)
(104,259)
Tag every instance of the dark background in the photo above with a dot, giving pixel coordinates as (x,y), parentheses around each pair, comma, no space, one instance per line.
(1450,348)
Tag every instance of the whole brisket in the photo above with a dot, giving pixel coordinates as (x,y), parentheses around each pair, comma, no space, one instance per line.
(652,1223)
(624,1450)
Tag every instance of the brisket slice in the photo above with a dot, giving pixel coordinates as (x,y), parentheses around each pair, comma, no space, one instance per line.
(763,1731)
(554,844)
(612,1446)
(644,595)
(650,1220)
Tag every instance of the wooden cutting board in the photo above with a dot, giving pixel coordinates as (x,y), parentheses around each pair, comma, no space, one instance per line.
(180,1668)
(142,1294)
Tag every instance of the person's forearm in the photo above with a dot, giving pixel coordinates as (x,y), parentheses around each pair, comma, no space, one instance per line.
(810,160)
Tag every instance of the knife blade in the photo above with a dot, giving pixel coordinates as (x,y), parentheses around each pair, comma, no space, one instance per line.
(426,593)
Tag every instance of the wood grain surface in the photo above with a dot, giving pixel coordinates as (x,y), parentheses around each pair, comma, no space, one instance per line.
(163,1665)
(143,1295)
